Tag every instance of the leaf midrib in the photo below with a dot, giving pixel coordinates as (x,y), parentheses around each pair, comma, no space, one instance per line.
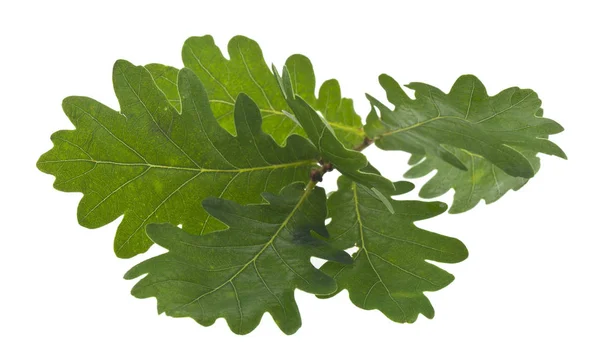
(363,248)
(440,117)
(418,124)
(368,256)
(191,169)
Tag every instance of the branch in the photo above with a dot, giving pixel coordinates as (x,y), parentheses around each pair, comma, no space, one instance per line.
(316,175)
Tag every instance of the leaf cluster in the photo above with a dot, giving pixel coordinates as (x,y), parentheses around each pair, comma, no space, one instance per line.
(219,163)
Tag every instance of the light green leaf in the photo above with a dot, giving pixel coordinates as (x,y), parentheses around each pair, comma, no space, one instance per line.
(390,270)
(165,78)
(351,163)
(466,118)
(246,71)
(339,113)
(482,180)
(152,164)
(251,268)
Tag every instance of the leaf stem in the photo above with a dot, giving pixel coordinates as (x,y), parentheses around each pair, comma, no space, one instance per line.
(316,175)
(366,142)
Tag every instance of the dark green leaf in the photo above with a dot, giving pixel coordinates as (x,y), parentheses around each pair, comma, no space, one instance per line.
(251,268)
(390,270)
(153,164)
(482,180)
(385,200)
(468,119)
(402,187)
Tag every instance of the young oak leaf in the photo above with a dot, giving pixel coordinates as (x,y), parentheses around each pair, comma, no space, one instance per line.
(246,71)
(482,180)
(350,163)
(153,164)
(390,271)
(466,118)
(338,112)
(251,268)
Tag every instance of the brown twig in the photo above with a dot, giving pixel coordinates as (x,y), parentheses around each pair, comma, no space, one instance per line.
(316,175)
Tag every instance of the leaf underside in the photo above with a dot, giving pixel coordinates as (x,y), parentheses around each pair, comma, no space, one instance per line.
(390,271)
(251,268)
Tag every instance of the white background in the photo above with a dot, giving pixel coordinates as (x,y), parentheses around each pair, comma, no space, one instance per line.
(529,290)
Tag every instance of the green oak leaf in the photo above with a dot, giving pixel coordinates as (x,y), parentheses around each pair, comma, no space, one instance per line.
(165,78)
(349,162)
(153,164)
(482,180)
(338,112)
(246,71)
(466,118)
(390,270)
(251,268)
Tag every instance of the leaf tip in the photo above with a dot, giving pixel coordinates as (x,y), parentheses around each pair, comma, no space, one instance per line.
(157,230)
(561,153)
(385,79)
(120,64)
(402,187)
(344,258)
(131,274)
(438,207)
